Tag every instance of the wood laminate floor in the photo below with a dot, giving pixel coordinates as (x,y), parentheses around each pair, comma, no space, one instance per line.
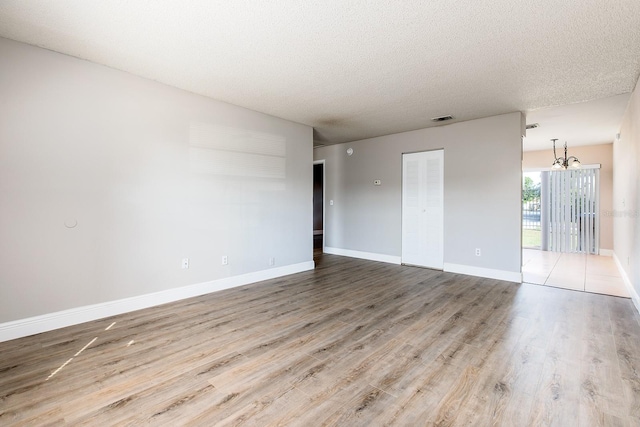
(352,343)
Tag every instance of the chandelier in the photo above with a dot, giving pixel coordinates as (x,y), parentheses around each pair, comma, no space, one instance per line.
(564,162)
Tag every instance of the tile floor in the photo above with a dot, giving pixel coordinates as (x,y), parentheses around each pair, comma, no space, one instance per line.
(590,273)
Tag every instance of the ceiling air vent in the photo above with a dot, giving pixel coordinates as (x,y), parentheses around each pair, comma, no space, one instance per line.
(533,126)
(442,119)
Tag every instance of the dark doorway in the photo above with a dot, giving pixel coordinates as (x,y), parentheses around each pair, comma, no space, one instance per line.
(318,208)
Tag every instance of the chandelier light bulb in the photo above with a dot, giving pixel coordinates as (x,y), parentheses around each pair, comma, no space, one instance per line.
(564,162)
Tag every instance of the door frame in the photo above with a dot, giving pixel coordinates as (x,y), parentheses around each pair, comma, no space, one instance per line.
(324,205)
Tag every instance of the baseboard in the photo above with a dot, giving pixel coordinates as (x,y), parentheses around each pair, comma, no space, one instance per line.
(363,255)
(606,252)
(60,319)
(509,276)
(627,282)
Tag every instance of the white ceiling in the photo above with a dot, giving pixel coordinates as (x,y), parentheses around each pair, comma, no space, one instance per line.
(586,123)
(354,69)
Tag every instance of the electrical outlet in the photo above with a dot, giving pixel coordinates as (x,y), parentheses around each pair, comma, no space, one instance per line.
(272,261)
(225,260)
(185,262)
(478,252)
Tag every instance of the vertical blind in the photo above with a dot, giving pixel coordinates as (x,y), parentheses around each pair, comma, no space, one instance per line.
(573,222)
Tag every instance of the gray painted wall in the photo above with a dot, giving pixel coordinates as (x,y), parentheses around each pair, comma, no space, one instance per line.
(482,191)
(626,193)
(151,174)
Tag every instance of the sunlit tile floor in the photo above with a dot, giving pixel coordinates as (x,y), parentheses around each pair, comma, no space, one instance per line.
(590,273)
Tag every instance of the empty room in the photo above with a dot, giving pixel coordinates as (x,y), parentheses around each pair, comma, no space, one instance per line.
(326,213)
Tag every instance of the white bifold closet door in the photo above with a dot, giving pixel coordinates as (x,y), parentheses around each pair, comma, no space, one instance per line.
(423,209)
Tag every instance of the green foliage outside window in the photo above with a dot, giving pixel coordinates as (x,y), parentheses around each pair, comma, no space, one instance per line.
(530,191)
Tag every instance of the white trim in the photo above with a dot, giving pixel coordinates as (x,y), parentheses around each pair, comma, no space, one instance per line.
(363,255)
(606,252)
(60,319)
(509,276)
(627,282)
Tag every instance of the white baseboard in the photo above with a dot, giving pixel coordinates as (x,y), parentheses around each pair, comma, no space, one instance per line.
(60,319)
(363,255)
(627,282)
(606,252)
(509,276)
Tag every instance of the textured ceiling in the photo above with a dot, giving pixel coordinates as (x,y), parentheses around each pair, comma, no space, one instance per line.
(354,69)
(586,123)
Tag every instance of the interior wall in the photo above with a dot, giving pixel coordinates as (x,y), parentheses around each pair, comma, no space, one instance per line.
(107,181)
(626,197)
(482,191)
(587,154)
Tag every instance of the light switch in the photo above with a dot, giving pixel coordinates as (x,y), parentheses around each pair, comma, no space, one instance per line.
(331,202)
